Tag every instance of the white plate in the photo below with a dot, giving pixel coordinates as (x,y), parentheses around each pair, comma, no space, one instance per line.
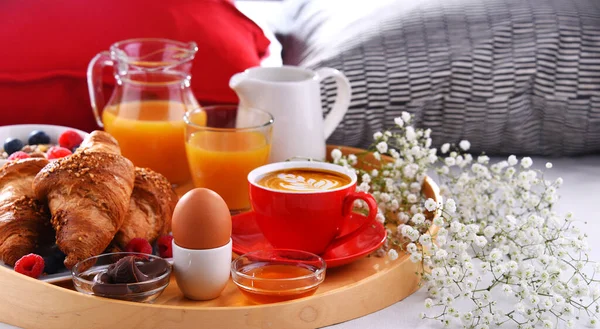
(22,132)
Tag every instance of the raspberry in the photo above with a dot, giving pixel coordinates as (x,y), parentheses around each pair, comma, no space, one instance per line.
(56,152)
(165,246)
(18,155)
(139,245)
(31,265)
(69,139)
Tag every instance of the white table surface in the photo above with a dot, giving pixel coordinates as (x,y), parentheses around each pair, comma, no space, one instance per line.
(580,194)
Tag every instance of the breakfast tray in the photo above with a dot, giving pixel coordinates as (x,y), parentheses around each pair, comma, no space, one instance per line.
(348,292)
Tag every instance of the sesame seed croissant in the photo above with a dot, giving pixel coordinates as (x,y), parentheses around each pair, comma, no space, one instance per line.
(88,196)
(24,221)
(150,209)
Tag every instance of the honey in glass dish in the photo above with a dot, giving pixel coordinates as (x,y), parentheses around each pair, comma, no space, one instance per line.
(151,134)
(277,275)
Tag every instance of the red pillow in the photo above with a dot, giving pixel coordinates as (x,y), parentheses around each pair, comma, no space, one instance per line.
(47,45)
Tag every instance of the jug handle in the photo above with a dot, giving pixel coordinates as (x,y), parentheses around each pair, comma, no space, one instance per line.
(95,83)
(342,100)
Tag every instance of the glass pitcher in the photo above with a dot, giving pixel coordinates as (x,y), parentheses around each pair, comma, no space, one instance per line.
(145,111)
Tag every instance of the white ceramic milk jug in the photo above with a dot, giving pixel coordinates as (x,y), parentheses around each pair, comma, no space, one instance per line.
(292,95)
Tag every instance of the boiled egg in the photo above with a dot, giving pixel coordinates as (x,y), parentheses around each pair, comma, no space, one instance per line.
(201,220)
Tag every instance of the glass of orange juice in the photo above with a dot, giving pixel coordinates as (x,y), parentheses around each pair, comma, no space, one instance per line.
(223,144)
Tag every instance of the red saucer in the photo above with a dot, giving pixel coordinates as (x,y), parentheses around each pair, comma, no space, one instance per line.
(247,237)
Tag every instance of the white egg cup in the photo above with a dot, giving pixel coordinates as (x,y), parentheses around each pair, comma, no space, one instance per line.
(202,274)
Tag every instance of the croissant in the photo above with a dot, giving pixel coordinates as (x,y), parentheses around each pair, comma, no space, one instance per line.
(24,221)
(88,196)
(150,208)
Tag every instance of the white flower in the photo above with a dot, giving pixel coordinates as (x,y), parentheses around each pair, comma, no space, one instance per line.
(465,145)
(405,116)
(366,178)
(430,204)
(450,206)
(428,303)
(526,162)
(380,218)
(382,147)
(418,219)
(512,160)
(336,154)
(399,122)
(441,254)
(450,161)
(377,136)
(393,254)
(416,257)
(489,231)
(445,148)
(352,159)
(483,159)
(480,241)
(549,165)
(411,135)
(377,156)
(411,198)
(411,248)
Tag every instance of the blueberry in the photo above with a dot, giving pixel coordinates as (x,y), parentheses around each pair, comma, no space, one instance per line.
(38,137)
(53,261)
(74,149)
(12,145)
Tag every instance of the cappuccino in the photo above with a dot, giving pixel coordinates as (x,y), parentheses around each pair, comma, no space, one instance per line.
(303,180)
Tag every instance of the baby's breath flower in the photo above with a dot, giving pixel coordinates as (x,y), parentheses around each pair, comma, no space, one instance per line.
(406,116)
(504,241)
(382,147)
(450,206)
(526,162)
(352,159)
(430,204)
(399,122)
(336,154)
(548,165)
(464,145)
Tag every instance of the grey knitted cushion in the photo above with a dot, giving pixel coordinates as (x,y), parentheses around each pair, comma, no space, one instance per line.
(511,76)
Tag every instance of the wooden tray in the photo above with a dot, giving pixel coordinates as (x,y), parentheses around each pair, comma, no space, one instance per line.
(348,292)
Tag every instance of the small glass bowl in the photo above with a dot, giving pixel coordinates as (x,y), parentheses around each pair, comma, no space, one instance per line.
(270,276)
(84,272)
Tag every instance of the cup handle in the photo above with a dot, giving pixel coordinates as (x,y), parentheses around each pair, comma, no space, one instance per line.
(95,84)
(347,209)
(342,100)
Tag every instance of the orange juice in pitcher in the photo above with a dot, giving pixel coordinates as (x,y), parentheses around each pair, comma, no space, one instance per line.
(150,134)
(145,112)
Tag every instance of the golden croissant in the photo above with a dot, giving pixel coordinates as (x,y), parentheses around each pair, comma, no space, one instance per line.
(88,196)
(150,208)
(24,221)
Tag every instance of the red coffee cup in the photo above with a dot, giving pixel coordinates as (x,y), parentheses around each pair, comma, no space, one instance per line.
(306,220)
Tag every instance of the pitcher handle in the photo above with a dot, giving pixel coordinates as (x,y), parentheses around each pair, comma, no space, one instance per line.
(95,83)
(342,100)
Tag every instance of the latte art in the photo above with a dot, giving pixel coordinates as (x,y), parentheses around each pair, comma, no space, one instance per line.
(299,183)
(304,180)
